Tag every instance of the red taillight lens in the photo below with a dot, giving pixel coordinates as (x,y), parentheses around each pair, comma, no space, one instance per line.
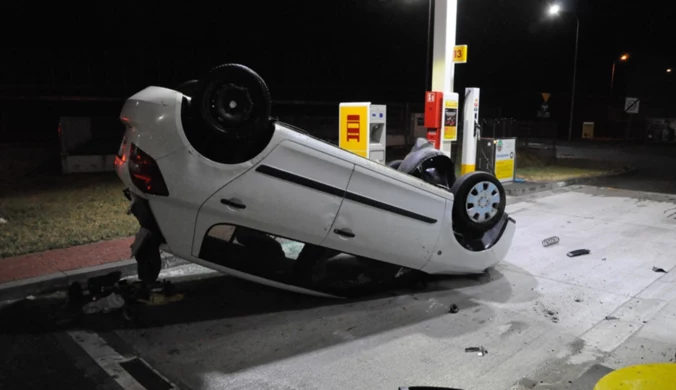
(145,174)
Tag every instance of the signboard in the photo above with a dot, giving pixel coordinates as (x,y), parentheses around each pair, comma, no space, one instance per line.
(450,120)
(543,112)
(631,105)
(505,156)
(460,54)
(545,96)
(587,130)
(354,127)
(419,129)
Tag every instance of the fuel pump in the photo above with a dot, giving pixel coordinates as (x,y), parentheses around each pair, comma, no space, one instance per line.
(471,130)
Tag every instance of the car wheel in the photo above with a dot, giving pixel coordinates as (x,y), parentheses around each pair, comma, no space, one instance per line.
(187,88)
(233,103)
(394,164)
(479,202)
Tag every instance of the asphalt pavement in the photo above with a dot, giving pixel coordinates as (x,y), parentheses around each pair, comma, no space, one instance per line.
(546,320)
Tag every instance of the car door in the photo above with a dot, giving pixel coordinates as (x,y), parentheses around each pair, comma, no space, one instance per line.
(387,216)
(294,192)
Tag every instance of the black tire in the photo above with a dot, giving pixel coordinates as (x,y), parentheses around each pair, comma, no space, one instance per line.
(233,102)
(187,88)
(463,188)
(394,164)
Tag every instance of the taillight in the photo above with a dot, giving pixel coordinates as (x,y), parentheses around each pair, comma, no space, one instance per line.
(145,174)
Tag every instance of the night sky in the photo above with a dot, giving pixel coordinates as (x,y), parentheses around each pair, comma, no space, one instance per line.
(335,50)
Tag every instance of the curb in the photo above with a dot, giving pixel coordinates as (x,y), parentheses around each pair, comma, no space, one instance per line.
(19,289)
(539,187)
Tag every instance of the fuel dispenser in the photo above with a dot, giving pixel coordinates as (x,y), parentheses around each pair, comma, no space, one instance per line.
(495,156)
(363,129)
(441,119)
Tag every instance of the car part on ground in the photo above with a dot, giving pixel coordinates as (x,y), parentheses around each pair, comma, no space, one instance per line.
(547,242)
(578,252)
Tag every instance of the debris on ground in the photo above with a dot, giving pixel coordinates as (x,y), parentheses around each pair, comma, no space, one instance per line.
(481,351)
(454,309)
(553,315)
(426,387)
(106,304)
(99,284)
(2,221)
(156,299)
(75,293)
(656,269)
(547,242)
(578,300)
(603,259)
(611,318)
(31,297)
(578,252)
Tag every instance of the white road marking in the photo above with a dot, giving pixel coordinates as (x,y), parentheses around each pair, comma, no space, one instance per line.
(109,359)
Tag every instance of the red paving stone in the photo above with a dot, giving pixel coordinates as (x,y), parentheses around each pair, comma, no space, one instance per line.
(67,259)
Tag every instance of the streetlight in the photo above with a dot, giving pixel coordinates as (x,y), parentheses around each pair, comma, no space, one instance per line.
(555,10)
(623,58)
(669,70)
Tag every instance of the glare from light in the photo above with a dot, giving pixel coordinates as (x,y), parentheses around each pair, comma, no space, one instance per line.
(669,70)
(554,9)
(624,57)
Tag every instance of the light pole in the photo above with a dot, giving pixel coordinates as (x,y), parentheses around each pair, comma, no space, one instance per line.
(553,11)
(623,58)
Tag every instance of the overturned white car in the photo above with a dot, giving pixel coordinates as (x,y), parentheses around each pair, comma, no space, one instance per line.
(216,181)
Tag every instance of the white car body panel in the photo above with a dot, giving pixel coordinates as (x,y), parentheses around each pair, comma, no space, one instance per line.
(402,240)
(410,224)
(274,205)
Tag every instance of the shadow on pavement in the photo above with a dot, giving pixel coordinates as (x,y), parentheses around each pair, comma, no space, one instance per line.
(224,315)
(213,298)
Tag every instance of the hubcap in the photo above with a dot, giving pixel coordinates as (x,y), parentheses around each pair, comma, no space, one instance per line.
(483,201)
(231,104)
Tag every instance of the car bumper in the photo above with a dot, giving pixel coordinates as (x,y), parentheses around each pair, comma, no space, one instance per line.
(457,256)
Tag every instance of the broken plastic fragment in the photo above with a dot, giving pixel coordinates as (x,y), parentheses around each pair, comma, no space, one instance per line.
(159,299)
(481,351)
(106,304)
(578,252)
(550,241)
(611,318)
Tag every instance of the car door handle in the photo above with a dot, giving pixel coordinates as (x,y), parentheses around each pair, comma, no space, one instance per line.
(344,232)
(236,203)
